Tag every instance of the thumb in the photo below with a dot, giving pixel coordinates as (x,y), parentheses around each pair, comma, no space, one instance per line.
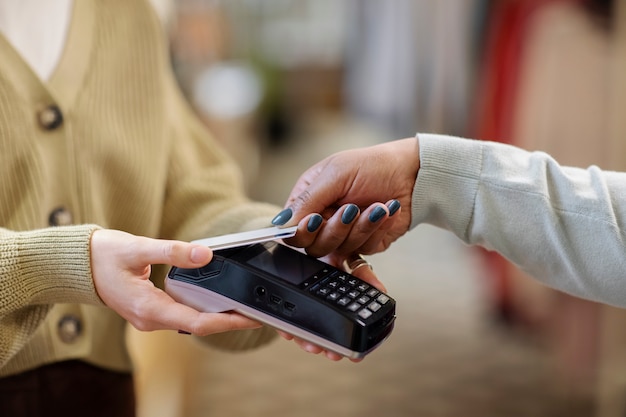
(173,252)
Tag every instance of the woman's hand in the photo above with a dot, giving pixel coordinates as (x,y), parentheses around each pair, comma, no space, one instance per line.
(353,202)
(121,265)
(377,180)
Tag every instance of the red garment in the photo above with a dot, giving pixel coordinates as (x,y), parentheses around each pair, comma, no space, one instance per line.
(507,26)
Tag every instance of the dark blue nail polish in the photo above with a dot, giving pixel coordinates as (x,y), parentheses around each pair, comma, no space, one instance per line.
(314,223)
(377,214)
(349,214)
(393,207)
(282,217)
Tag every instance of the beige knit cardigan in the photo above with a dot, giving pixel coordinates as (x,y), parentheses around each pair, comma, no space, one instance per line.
(129,155)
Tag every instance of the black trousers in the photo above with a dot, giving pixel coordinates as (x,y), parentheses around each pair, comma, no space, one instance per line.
(67,389)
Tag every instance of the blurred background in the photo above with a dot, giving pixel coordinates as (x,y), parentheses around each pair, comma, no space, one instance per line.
(284,83)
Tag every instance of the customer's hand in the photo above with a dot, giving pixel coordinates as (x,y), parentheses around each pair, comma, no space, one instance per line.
(379,180)
(121,264)
(363,197)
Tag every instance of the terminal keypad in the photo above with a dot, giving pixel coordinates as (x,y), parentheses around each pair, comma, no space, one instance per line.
(351,293)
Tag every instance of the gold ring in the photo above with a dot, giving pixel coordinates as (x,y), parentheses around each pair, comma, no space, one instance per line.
(357,261)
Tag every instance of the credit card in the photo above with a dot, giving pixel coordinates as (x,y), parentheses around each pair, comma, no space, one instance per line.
(235,240)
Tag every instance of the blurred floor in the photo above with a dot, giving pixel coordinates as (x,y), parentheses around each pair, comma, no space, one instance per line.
(445,358)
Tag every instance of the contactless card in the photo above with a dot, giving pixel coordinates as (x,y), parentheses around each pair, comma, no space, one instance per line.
(234,240)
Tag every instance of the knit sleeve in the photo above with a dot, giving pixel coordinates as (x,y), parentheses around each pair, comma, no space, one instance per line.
(562,225)
(37,269)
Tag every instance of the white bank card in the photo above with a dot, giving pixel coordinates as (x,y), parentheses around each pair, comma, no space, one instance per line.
(247,238)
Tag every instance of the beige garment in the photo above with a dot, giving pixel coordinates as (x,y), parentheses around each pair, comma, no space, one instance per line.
(563,99)
(612,370)
(108,140)
(571,105)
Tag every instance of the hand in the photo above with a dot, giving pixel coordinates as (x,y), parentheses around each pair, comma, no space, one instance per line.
(376,177)
(361,178)
(121,265)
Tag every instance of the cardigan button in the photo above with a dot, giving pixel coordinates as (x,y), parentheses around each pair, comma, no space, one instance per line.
(50,117)
(69,328)
(60,217)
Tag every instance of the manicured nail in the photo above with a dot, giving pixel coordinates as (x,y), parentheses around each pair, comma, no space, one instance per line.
(377,214)
(314,223)
(282,217)
(393,207)
(349,214)
(183,332)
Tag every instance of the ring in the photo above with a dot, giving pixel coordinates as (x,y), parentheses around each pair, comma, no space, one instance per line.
(357,261)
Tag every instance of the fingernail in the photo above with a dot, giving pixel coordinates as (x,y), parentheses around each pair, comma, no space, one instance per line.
(198,255)
(349,214)
(282,217)
(393,207)
(314,223)
(377,214)
(183,332)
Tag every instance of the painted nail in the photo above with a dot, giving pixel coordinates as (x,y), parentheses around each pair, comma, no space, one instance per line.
(393,207)
(282,217)
(377,214)
(349,214)
(314,223)
(183,332)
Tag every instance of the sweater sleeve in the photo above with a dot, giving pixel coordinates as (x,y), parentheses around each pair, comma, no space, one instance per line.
(37,269)
(562,225)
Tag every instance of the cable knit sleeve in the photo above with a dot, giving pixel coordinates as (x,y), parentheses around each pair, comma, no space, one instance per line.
(37,269)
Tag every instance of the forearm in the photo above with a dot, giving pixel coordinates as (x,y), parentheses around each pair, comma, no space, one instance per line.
(562,225)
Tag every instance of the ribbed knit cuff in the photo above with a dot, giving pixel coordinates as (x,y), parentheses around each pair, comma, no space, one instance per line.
(445,191)
(48,266)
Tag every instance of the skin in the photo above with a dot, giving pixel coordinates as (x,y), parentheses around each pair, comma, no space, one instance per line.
(121,264)
(368,177)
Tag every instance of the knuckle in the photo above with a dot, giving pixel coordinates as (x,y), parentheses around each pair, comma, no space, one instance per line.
(303,199)
(195,327)
(142,326)
(168,250)
(198,326)
(141,316)
(361,229)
